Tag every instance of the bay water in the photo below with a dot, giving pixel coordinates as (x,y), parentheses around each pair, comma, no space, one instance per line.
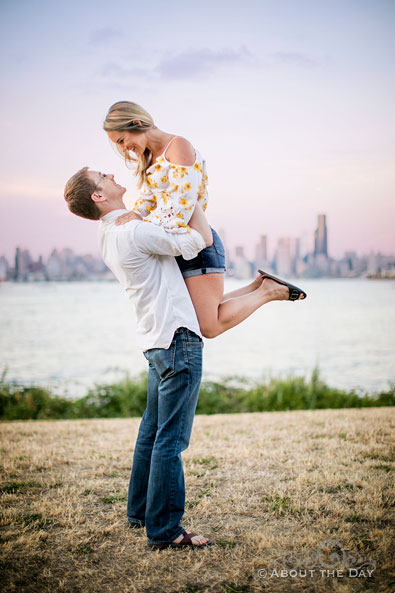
(69,336)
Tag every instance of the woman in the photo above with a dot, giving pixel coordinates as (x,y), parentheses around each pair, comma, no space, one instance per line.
(172,178)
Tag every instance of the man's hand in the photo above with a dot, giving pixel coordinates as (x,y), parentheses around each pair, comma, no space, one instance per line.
(124,218)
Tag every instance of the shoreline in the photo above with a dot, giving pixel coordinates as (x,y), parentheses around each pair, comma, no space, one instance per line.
(127,398)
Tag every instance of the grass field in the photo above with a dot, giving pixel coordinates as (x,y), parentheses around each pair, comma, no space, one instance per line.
(269,488)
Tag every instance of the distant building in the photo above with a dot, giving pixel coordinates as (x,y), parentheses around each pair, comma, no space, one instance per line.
(302,257)
(23,263)
(223,237)
(321,237)
(242,267)
(356,264)
(373,267)
(4,268)
(322,264)
(380,266)
(54,266)
(287,255)
(307,241)
(283,257)
(261,258)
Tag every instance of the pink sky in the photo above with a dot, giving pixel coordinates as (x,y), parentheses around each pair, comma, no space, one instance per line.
(290,104)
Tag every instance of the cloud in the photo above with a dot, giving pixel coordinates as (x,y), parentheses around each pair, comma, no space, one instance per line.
(200,62)
(30,190)
(105,35)
(294,59)
(181,66)
(16,58)
(114,71)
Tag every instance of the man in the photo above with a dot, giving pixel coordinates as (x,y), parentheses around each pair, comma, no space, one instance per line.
(141,256)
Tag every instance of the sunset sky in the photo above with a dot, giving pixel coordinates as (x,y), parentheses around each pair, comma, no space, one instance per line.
(291,103)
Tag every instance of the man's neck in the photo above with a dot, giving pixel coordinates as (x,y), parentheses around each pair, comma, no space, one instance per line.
(118,206)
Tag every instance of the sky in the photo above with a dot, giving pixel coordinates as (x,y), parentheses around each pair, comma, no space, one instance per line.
(290,103)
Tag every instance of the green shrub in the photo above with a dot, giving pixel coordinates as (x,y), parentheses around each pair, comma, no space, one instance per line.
(127,398)
(24,403)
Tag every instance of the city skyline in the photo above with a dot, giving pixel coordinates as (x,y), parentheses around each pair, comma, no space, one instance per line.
(84,233)
(308,243)
(289,259)
(288,103)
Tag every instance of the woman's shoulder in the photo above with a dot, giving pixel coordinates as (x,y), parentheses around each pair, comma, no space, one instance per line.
(181,152)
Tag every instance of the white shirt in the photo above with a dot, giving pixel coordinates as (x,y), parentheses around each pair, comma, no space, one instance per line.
(141,256)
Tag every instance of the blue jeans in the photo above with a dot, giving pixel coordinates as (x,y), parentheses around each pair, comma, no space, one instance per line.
(209,261)
(156,495)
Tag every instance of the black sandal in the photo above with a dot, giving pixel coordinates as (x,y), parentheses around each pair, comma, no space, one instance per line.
(186,542)
(294,291)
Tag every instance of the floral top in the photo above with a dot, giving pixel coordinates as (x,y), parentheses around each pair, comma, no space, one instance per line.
(169,195)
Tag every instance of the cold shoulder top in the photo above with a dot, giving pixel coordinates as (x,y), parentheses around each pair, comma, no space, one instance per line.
(171,191)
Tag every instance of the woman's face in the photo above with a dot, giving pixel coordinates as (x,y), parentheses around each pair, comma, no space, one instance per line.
(134,141)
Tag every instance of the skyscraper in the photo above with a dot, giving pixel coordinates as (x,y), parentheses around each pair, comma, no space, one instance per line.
(23,262)
(261,253)
(320,237)
(242,268)
(283,257)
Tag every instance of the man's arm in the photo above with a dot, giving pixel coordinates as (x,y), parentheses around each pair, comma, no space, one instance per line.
(198,221)
(153,239)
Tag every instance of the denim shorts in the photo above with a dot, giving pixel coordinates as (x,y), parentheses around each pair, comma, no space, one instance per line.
(209,261)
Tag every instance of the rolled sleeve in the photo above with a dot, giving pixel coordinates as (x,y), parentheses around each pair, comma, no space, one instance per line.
(190,243)
(153,239)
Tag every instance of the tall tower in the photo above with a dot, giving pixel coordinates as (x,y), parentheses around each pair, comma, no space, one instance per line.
(283,257)
(23,263)
(321,237)
(17,263)
(242,268)
(261,252)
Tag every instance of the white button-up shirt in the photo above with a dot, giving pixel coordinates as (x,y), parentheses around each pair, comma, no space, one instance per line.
(141,256)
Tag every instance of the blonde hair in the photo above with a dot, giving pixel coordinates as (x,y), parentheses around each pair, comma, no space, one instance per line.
(121,117)
(78,192)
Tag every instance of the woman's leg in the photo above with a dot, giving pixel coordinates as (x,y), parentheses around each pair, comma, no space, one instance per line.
(243,290)
(215,314)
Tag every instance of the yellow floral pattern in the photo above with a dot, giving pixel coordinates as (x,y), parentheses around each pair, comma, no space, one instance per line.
(171,192)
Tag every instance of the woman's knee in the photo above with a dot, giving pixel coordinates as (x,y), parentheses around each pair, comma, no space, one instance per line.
(209,331)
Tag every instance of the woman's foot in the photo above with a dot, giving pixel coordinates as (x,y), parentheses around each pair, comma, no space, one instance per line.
(256,283)
(274,291)
(287,292)
(197,540)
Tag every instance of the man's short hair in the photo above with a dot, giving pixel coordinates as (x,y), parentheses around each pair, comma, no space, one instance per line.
(77,194)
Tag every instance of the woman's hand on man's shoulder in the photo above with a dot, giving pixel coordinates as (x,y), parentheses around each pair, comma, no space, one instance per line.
(181,152)
(127,217)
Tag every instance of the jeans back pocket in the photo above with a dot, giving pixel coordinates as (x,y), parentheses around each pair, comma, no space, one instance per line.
(163,360)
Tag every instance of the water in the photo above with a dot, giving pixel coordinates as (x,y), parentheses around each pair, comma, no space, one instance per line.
(68,336)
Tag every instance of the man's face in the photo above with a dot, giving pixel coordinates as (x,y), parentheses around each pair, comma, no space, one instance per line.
(106,186)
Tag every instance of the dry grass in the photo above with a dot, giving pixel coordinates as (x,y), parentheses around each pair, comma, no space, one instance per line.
(258,484)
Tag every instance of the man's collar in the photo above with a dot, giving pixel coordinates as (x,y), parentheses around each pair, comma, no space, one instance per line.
(111,216)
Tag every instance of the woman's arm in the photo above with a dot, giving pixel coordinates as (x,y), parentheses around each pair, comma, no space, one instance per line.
(199,223)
